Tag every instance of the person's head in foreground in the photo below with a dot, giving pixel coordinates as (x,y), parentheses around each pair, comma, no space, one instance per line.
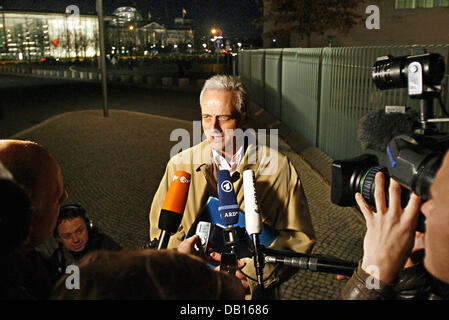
(38,172)
(148,274)
(436,237)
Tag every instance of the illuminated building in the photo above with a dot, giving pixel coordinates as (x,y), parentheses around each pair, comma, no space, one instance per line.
(34,35)
(29,36)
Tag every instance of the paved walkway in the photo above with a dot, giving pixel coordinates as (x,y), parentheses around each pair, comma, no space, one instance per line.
(112,166)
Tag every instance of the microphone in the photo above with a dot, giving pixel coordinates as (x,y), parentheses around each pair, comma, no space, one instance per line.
(313,263)
(173,207)
(228,207)
(253,220)
(378,128)
(229,214)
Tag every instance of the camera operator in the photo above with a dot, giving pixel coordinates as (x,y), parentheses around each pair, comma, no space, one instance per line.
(390,238)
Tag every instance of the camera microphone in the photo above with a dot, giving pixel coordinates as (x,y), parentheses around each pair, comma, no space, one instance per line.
(378,128)
(173,207)
(253,220)
(315,263)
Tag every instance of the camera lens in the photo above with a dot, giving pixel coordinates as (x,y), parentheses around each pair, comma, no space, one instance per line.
(366,187)
(387,73)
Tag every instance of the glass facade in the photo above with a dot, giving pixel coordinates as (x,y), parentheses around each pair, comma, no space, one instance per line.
(415,4)
(31,36)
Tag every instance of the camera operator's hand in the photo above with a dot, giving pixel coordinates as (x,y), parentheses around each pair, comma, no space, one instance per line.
(390,230)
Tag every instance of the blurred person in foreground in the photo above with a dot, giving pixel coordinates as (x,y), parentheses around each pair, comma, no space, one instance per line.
(40,175)
(148,275)
(15,216)
(390,238)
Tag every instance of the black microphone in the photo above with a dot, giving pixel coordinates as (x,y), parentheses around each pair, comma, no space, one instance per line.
(173,207)
(378,128)
(228,207)
(253,221)
(229,214)
(315,264)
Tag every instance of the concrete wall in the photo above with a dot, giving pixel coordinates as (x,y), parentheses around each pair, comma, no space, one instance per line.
(397,27)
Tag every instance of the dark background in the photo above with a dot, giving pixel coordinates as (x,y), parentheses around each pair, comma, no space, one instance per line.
(234,17)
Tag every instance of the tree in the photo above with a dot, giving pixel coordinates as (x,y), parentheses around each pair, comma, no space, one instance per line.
(305,17)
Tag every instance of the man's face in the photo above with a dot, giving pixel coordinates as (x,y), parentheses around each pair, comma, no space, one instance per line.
(48,202)
(219,118)
(436,211)
(73,234)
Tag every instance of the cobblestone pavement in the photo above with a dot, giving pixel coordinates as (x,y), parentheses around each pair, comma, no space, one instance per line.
(112,166)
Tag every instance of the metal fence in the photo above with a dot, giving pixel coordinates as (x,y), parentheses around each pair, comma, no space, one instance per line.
(322,93)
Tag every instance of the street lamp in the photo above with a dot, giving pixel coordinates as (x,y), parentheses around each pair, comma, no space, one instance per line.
(131,28)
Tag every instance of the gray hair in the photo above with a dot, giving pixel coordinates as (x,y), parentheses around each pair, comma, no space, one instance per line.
(229,83)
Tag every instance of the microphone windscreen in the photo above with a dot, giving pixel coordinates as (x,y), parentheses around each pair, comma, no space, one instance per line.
(228,207)
(175,202)
(253,220)
(377,128)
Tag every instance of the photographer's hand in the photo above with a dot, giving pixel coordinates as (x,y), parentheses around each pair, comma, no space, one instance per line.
(188,245)
(390,230)
(239,275)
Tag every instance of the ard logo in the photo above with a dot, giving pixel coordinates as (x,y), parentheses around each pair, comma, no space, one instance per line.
(226,186)
(231,214)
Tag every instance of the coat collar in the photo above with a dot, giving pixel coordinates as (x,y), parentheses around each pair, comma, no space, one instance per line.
(209,169)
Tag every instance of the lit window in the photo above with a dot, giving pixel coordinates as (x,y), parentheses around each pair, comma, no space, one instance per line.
(415,4)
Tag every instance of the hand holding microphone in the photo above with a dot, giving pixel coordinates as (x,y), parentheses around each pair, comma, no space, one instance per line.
(173,207)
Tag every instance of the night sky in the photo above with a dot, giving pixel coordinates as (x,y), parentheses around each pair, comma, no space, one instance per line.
(234,17)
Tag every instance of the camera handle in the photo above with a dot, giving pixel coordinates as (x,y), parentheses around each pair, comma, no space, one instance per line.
(426,114)
(418,90)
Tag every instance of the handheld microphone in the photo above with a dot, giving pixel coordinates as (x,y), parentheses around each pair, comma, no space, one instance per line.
(229,213)
(228,207)
(253,220)
(173,207)
(378,128)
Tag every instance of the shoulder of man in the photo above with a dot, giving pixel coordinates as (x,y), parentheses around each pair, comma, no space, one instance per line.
(193,156)
(270,160)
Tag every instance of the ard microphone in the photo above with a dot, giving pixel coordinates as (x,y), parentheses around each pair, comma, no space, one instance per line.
(228,207)
(173,207)
(253,220)
(378,128)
